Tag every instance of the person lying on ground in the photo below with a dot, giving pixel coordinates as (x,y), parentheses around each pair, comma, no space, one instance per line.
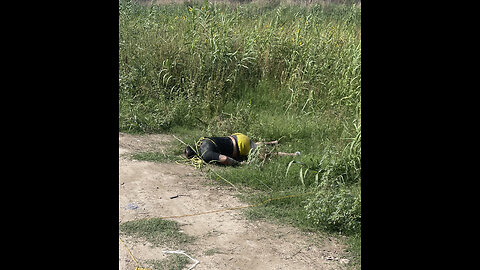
(230,150)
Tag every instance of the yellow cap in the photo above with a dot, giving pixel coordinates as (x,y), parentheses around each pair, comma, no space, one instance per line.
(243,143)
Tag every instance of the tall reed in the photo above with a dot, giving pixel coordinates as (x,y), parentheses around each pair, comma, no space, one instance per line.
(178,62)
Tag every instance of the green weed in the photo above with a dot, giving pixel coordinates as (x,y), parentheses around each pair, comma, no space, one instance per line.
(182,63)
(155,156)
(157,231)
(172,262)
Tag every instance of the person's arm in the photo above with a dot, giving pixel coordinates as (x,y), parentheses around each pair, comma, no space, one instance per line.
(226,160)
(266,143)
(278,153)
(288,154)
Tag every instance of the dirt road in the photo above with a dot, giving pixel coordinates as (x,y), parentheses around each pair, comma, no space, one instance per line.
(224,240)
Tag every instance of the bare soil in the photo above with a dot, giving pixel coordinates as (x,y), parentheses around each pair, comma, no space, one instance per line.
(224,240)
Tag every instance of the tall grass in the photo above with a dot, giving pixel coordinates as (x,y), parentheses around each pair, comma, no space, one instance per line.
(269,70)
(183,62)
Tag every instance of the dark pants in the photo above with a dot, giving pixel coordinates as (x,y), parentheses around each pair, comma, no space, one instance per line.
(208,151)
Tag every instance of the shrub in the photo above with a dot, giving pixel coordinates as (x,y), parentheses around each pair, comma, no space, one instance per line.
(336,209)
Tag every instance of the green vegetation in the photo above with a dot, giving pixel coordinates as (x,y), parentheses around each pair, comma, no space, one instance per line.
(156,231)
(153,156)
(271,71)
(173,262)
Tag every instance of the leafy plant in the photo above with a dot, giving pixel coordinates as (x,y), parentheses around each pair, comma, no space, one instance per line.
(336,209)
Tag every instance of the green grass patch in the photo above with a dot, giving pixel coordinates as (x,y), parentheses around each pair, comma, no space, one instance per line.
(172,262)
(157,231)
(289,210)
(154,156)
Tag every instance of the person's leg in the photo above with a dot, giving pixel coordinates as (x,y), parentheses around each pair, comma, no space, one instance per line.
(208,151)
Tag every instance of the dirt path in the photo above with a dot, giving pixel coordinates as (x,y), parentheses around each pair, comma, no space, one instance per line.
(224,240)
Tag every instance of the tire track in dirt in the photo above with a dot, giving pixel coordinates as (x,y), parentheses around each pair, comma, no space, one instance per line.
(225,240)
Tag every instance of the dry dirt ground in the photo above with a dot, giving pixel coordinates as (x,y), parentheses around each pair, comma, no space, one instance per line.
(224,240)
